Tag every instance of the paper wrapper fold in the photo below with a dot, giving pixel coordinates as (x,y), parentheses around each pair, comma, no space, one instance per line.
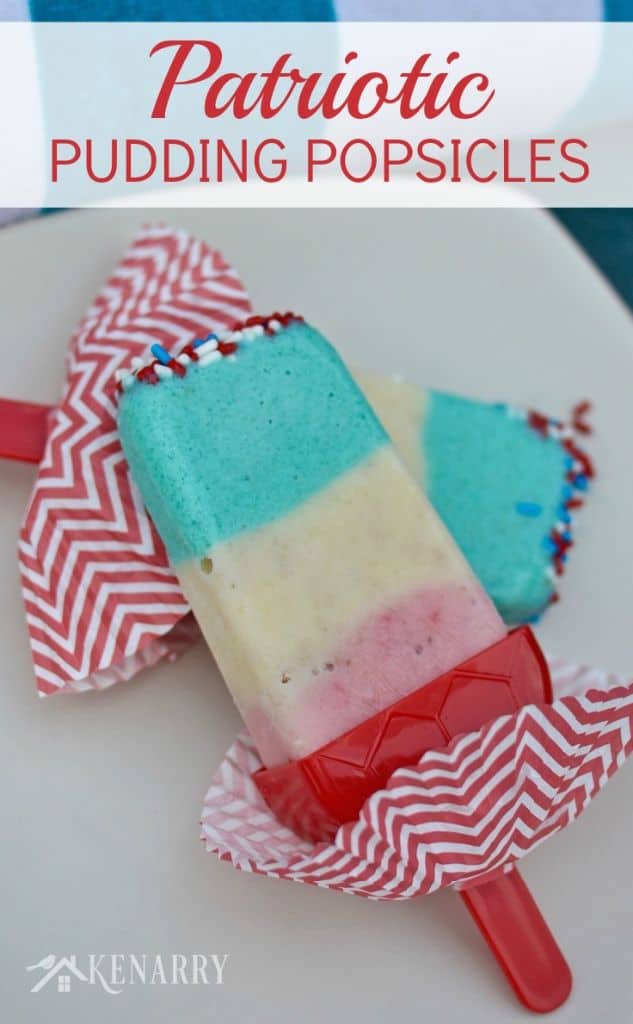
(458,815)
(101,600)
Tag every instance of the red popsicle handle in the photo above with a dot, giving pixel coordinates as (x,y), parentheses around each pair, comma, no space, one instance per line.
(516,932)
(23,430)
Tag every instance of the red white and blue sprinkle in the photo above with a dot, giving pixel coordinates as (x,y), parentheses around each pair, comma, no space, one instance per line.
(579,471)
(216,346)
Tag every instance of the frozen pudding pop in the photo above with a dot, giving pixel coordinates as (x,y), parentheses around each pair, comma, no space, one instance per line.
(323,580)
(325,584)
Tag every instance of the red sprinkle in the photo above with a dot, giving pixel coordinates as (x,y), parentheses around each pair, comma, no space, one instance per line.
(579,414)
(538,422)
(148,374)
(190,351)
(582,457)
(253,321)
(177,367)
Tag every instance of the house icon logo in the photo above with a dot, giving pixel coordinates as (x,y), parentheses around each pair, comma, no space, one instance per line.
(64,969)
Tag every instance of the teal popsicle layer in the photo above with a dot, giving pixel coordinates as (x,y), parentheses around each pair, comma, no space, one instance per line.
(242,441)
(497,485)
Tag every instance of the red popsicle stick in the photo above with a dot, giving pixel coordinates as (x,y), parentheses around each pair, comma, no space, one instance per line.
(23,430)
(524,947)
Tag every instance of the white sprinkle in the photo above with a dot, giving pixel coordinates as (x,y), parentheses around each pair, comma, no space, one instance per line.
(208,346)
(274,325)
(561,527)
(550,573)
(257,330)
(128,381)
(567,433)
(514,413)
(183,359)
(236,336)
(162,371)
(119,375)
(137,362)
(209,357)
(248,334)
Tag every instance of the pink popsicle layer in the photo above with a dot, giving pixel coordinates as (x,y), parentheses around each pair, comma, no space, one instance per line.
(390,654)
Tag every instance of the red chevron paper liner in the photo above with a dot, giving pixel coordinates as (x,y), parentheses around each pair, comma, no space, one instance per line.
(101,600)
(473,808)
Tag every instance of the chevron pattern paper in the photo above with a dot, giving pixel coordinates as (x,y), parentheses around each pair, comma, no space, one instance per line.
(101,600)
(460,814)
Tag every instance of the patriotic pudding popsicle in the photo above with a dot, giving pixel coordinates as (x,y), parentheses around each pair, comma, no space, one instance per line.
(328,589)
(325,583)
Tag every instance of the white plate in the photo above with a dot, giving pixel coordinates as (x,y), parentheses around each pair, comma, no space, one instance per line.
(101,793)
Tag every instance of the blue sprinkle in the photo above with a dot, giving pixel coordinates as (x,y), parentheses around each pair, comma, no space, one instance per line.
(531,509)
(549,544)
(567,535)
(161,354)
(568,492)
(581,482)
(563,514)
(198,342)
(563,558)
(211,337)
(569,461)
